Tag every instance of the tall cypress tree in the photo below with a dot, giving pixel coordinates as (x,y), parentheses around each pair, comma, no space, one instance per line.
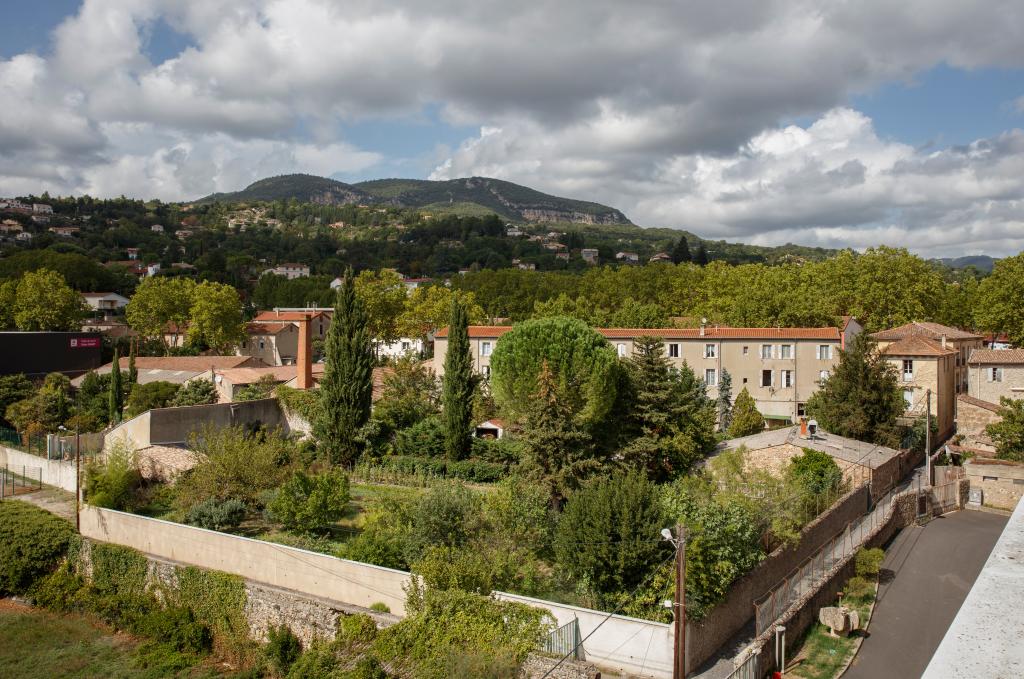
(681,252)
(347,384)
(133,374)
(701,258)
(746,419)
(116,402)
(457,392)
(724,401)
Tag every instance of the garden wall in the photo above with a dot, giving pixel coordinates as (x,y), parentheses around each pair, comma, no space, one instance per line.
(288,568)
(704,638)
(628,645)
(58,473)
(171,426)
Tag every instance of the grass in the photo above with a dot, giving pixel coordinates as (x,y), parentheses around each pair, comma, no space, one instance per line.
(39,645)
(822,656)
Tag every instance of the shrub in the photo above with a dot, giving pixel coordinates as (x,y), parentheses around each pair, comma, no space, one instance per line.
(261,388)
(357,628)
(59,591)
(858,587)
(317,662)
(216,514)
(378,547)
(368,667)
(311,503)
(196,393)
(423,439)
(477,471)
(33,543)
(177,626)
(112,482)
(869,562)
(448,514)
(380,607)
(815,472)
(283,648)
(150,395)
(504,451)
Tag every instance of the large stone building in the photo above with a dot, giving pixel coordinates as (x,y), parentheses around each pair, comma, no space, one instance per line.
(995,374)
(780,367)
(962,342)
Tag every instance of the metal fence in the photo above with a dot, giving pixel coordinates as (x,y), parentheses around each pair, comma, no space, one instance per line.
(564,641)
(19,480)
(805,578)
(746,669)
(946,496)
(30,443)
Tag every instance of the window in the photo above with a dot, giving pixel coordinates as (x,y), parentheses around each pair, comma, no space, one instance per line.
(995,375)
(405,347)
(786,351)
(709,351)
(621,349)
(908,370)
(989,478)
(244,343)
(673,350)
(766,378)
(766,351)
(823,375)
(824,352)
(801,409)
(485,348)
(710,377)
(746,350)
(787,379)
(261,344)
(908,397)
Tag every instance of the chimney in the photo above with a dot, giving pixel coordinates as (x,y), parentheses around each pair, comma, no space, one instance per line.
(703,323)
(304,360)
(943,341)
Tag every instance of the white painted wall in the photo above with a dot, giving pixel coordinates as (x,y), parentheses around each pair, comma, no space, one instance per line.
(56,473)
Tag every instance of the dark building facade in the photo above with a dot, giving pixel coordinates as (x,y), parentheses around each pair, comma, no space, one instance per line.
(38,353)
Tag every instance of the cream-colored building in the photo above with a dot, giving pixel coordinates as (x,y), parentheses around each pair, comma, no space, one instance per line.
(960,341)
(780,367)
(923,365)
(996,373)
(273,336)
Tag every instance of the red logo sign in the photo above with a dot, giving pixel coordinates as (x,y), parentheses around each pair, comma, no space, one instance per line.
(85,342)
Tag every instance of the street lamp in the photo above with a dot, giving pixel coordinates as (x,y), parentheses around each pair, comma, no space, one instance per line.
(679,619)
(78,474)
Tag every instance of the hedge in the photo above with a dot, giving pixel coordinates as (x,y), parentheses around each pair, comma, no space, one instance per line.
(32,544)
(466,470)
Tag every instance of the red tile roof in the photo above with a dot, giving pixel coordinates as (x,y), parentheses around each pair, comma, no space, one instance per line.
(186,363)
(987,405)
(916,346)
(933,331)
(265,328)
(997,357)
(285,316)
(710,332)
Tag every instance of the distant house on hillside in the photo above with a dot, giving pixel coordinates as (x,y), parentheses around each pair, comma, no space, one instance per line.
(660,257)
(105,301)
(156,228)
(589,255)
(289,270)
(65,231)
(627,257)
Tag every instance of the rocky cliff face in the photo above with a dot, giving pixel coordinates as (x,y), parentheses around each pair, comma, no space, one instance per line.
(549,215)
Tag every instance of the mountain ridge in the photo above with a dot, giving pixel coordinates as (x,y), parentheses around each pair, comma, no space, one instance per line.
(509,200)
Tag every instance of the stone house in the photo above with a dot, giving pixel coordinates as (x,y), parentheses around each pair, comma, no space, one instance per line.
(996,373)
(273,336)
(972,417)
(924,365)
(780,367)
(962,342)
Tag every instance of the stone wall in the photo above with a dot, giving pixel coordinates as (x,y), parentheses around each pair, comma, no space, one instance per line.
(972,418)
(703,639)
(1001,481)
(537,667)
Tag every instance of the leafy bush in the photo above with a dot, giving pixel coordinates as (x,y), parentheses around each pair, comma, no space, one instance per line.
(217,514)
(423,439)
(177,626)
(477,471)
(317,662)
(367,667)
(448,514)
(815,472)
(504,451)
(196,393)
(357,628)
(261,388)
(283,648)
(481,567)
(112,482)
(33,543)
(858,587)
(150,395)
(311,503)
(378,547)
(869,562)
(59,591)
(380,607)
(519,513)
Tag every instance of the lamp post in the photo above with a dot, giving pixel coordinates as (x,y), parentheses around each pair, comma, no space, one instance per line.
(679,619)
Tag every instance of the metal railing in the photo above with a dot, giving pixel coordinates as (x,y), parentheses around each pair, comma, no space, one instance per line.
(746,668)
(805,578)
(19,480)
(564,641)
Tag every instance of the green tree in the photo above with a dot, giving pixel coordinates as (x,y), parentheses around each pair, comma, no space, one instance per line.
(215,317)
(998,305)
(675,424)
(746,419)
(261,388)
(311,503)
(197,392)
(558,454)
(583,366)
(116,390)
(681,252)
(347,384)
(133,373)
(861,399)
(384,297)
(43,301)
(429,308)
(150,395)
(609,533)
(458,385)
(814,472)
(8,297)
(14,388)
(161,305)
(410,395)
(701,258)
(724,401)
(1008,432)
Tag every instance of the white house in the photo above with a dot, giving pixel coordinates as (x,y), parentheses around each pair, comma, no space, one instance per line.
(289,270)
(105,301)
(156,228)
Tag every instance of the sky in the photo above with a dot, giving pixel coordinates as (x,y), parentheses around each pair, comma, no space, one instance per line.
(837,123)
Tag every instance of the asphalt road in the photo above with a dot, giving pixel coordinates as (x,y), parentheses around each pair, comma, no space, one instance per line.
(927,573)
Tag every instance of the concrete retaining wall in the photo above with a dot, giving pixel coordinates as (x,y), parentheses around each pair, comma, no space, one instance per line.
(704,638)
(626,645)
(58,473)
(173,426)
(308,573)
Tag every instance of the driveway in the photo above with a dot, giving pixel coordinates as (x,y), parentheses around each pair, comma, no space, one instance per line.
(926,575)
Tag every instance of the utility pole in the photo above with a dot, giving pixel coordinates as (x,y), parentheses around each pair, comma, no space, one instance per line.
(679,659)
(78,478)
(928,435)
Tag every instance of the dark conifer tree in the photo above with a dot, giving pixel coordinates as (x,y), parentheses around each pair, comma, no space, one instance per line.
(116,395)
(459,383)
(681,252)
(701,258)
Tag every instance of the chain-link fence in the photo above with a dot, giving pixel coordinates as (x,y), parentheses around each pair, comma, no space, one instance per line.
(805,578)
(19,480)
(30,443)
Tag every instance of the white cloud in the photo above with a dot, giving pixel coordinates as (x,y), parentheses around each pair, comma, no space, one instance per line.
(670,111)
